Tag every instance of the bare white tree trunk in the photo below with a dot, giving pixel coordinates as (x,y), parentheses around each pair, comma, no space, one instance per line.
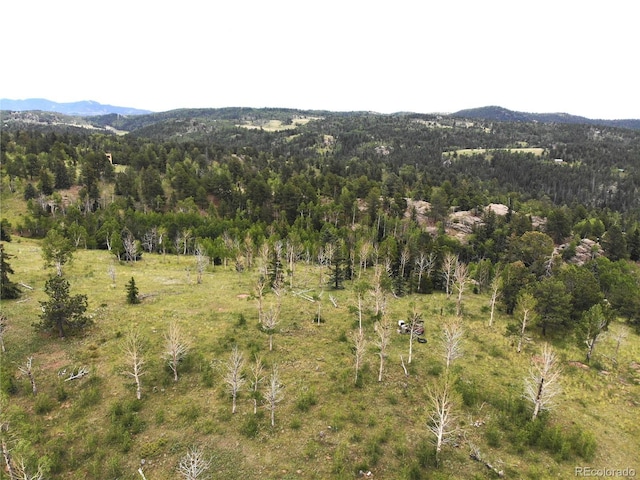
(526,309)
(414,323)
(257,376)
(425,264)
(27,371)
(496,284)
(270,321)
(112,274)
(618,338)
(22,472)
(130,247)
(442,419)
(293,253)
(543,383)
(460,280)
(233,377)
(194,465)
(260,286)
(383,329)
(133,352)
(378,291)
(405,255)
(360,344)
(274,394)
(452,333)
(363,256)
(3,329)
(449,263)
(201,262)
(175,348)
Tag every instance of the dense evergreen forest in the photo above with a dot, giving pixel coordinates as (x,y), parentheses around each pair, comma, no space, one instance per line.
(227,180)
(517,240)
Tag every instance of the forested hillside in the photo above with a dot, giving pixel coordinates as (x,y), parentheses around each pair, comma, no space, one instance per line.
(519,239)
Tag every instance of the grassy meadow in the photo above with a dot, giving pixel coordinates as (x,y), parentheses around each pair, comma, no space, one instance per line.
(327,426)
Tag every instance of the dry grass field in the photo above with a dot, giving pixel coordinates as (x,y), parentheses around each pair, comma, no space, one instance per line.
(326,426)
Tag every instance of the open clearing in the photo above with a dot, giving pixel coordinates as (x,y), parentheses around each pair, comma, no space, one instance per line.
(326,426)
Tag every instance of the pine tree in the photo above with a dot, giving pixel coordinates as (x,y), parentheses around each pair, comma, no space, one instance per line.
(62,310)
(8,289)
(132,292)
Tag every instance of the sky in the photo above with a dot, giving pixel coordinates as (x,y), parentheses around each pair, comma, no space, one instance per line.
(577,57)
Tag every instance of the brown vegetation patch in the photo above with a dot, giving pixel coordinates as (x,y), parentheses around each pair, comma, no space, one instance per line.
(581,365)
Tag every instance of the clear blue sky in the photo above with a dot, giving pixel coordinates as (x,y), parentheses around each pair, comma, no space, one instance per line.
(579,57)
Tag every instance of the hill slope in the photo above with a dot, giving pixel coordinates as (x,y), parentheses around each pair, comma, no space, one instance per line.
(500,114)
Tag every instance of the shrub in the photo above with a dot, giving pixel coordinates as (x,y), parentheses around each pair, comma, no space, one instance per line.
(251,426)
(583,443)
(306,400)
(43,404)
(493,436)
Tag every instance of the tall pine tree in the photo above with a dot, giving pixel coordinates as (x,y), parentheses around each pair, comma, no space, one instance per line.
(8,289)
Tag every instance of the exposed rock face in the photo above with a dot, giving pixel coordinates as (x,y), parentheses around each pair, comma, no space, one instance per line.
(586,250)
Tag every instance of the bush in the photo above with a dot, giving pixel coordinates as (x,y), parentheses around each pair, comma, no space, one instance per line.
(306,400)
(493,436)
(43,404)
(583,443)
(251,426)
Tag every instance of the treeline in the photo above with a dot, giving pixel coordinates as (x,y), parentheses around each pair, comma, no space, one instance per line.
(346,184)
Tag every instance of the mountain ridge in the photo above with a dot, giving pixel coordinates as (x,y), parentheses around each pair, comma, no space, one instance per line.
(501,114)
(90,108)
(83,108)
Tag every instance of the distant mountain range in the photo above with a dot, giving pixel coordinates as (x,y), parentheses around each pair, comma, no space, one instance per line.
(86,108)
(500,114)
(90,108)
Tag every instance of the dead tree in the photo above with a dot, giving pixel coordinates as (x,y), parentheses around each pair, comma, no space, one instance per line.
(363,256)
(133,349)
(260,286)
(194,465)
(247,248)
(449,263)
(425,264)
(442,419)
(3,330)
(293,253)
(360,345)
(525,308)
(22,472)
(594,323)
(111,271)
(378,289)
(542,385)
(270,321)
(452,333)
(496,285)
(233,376)
(414,322)
(405,256)
(460,280)
(150,240)
(27,371)
(383,329)
(201,262)
(618,338)
(257,376)
(130,246)
(175,348)
(274,394)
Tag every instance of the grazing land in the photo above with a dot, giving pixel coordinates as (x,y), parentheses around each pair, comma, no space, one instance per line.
(327,425)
